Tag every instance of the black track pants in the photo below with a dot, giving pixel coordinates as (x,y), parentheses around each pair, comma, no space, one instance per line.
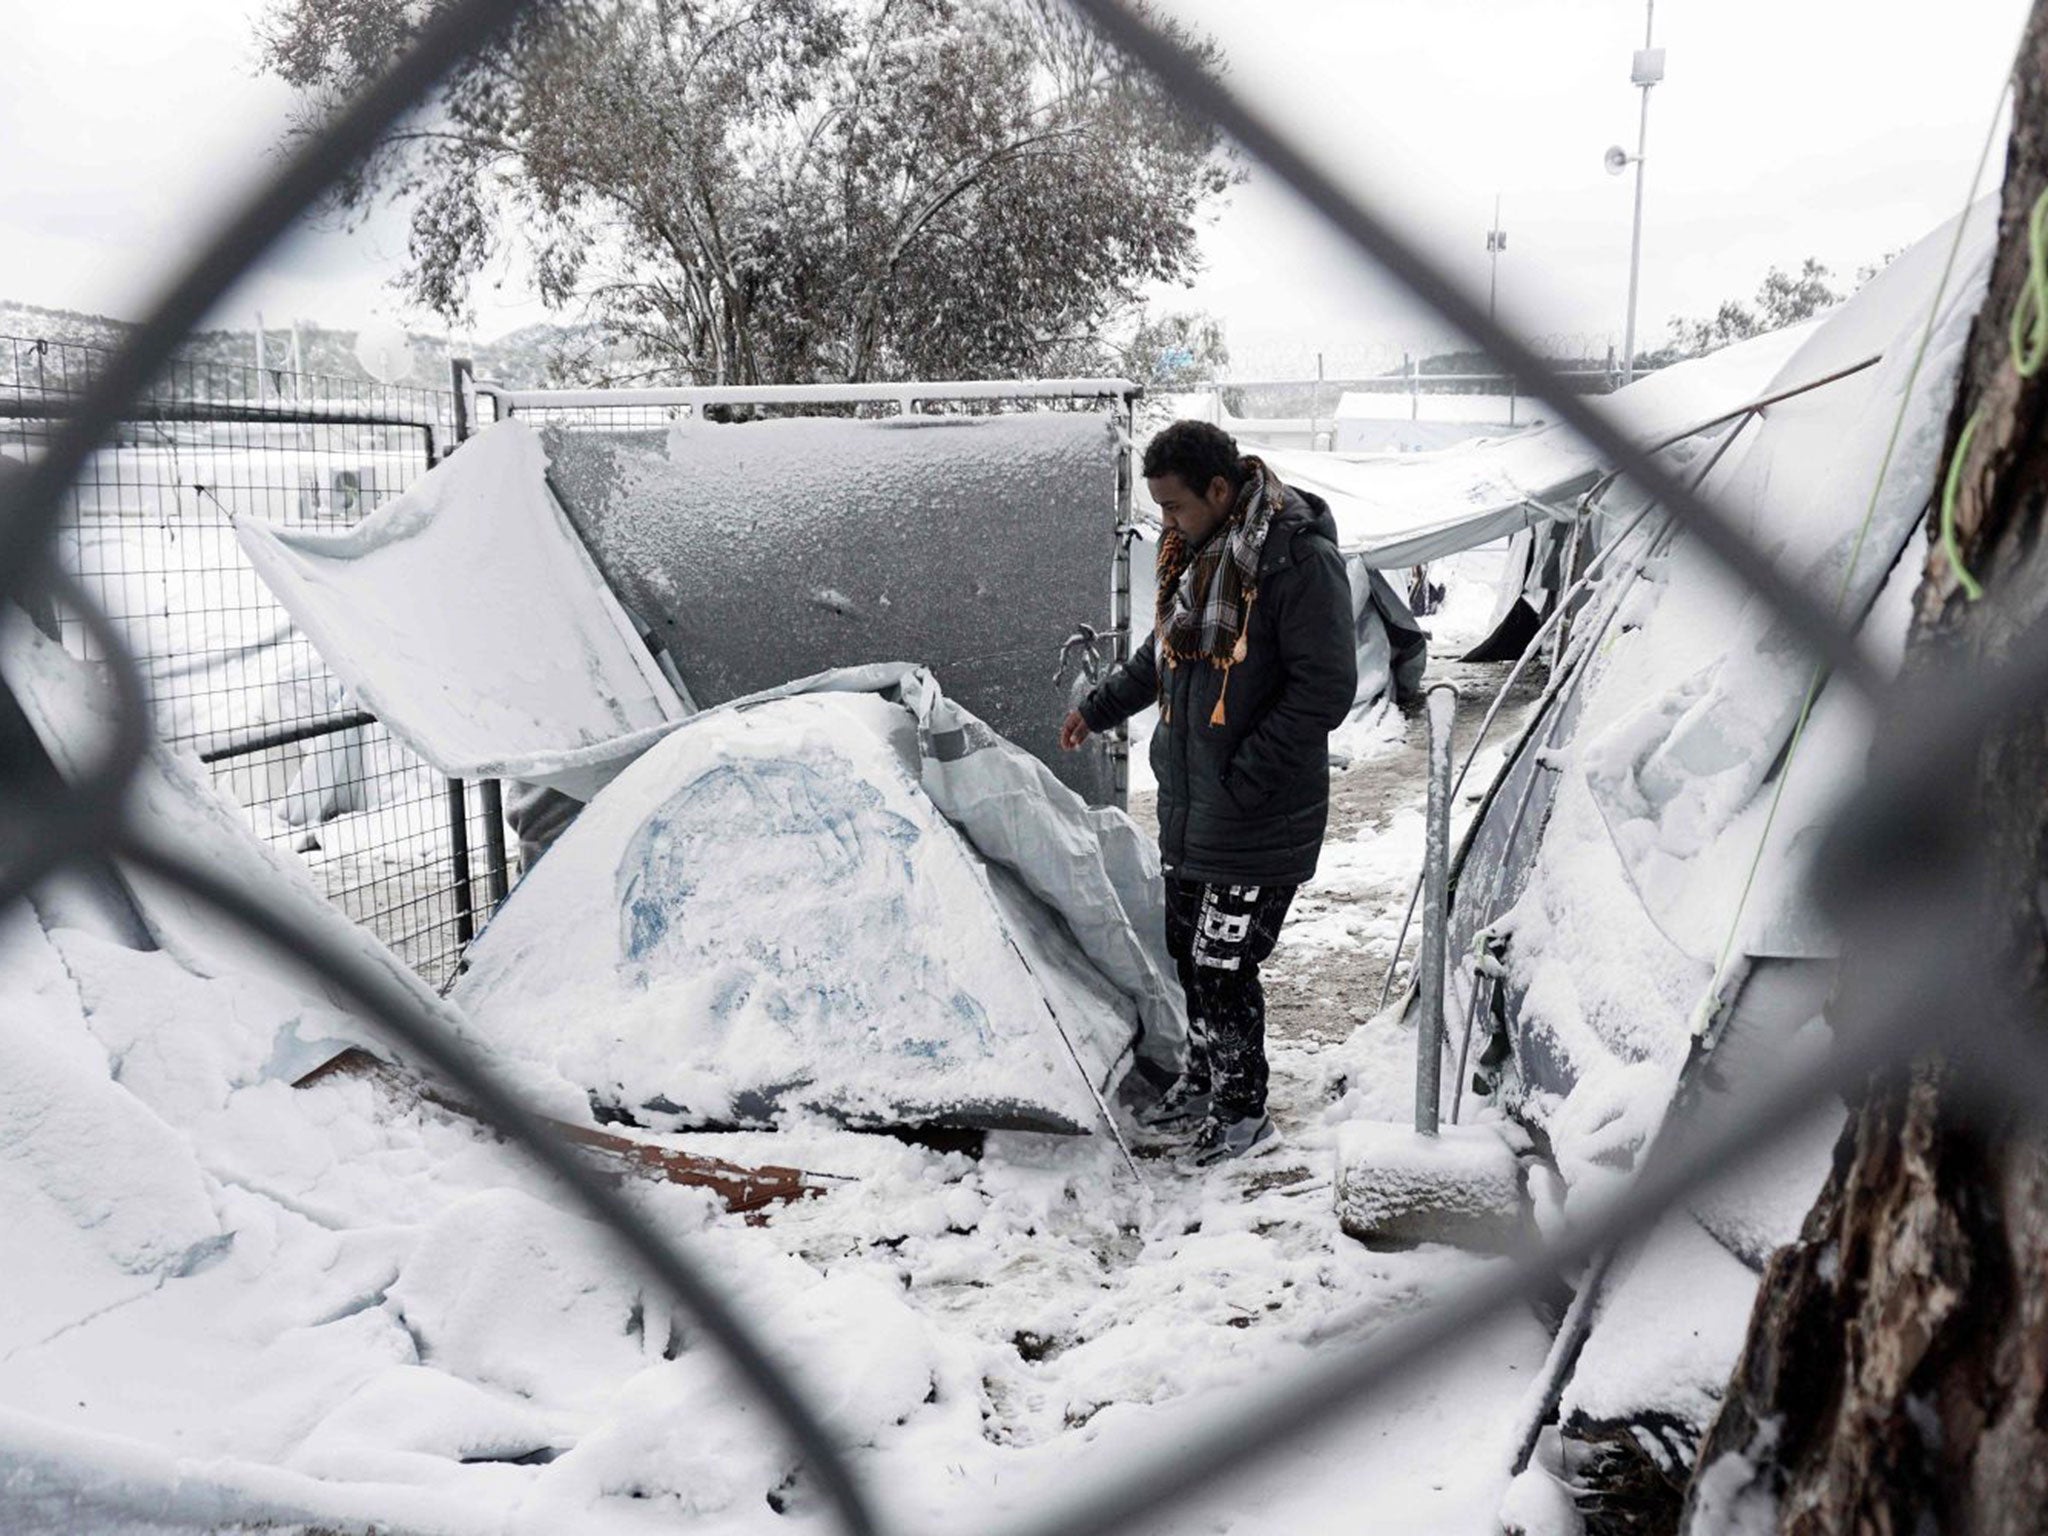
(1218,936)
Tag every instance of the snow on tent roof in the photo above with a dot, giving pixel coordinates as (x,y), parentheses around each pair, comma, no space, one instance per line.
(466,615)
(1638,868)
(768,913)
(1668,827)
(1402,509)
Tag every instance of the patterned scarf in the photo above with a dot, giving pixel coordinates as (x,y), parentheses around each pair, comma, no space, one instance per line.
(1206,596)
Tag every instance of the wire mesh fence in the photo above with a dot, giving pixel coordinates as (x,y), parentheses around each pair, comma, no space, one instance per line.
(1919,922)
(147,529)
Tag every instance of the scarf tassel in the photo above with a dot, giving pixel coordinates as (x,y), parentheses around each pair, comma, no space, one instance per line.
(1216,715)
(1237,653)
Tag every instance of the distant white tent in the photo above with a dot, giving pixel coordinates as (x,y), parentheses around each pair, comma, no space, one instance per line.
(1405,509)
(1383,421)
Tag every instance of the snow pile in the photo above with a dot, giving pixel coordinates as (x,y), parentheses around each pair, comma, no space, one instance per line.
(106,1228)
(1671,1321)
(1463,1185)
(767,913)
(340,1311)
(524,667)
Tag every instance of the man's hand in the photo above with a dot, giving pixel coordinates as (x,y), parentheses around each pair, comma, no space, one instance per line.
(1073,731)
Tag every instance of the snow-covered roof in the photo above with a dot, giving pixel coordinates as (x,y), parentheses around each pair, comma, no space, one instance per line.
(1401,509)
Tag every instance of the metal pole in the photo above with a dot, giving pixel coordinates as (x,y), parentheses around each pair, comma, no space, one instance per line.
(1496,242)
(1493,248)
(497,863)
(496,868)
(458,860)
(459,376)
(1429,1033)
(1635,247)
(1315,408)
(1120,595)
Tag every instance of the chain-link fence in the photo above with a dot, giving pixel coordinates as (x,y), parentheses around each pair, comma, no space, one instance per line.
(147,530)
(1911,916)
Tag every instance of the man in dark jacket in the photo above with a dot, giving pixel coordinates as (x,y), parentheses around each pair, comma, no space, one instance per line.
(1251,662)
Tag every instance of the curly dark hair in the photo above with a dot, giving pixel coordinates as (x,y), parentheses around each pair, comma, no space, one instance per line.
(1195,451)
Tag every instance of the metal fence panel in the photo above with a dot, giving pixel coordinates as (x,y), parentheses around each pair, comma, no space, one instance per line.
(148,531)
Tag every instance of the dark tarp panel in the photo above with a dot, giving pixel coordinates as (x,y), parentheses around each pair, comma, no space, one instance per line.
(765,551)
(1511,636)
(1407,642)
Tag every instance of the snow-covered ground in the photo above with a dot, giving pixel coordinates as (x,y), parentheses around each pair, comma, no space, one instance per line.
(324,1305)
(365,1311)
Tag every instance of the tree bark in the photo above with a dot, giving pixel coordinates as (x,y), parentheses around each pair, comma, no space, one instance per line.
(1895,1377)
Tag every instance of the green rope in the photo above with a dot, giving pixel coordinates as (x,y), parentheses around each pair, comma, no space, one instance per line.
(2030,314)
(2028,335)
(1950,545)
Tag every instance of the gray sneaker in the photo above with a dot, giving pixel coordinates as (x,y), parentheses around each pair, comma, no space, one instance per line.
(1181,1107)
(1223,1141)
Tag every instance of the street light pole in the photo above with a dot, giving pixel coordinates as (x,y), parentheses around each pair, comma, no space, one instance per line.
(1496,242)
(1647,71)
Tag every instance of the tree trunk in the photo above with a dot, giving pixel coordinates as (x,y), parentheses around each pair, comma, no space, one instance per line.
(1895,1377)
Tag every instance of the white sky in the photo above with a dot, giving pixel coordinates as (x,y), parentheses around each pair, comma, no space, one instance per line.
(1835,128)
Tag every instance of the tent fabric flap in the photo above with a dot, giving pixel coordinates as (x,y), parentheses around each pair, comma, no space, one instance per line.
(466,615)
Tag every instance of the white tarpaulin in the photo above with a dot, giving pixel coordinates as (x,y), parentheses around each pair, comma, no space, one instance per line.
(1404,509)
(172,802)
(466,615)
(846,896)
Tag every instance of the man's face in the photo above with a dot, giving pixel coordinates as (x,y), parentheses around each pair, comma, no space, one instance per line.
(1191,514)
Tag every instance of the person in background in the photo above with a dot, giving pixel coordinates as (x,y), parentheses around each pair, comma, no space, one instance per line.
(1252,663)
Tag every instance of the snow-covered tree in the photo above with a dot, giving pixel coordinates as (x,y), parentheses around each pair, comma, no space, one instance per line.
(785,190)
(1781,299)
(1173,351)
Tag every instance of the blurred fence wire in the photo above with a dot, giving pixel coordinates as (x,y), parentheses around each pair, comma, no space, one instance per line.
(1919,919)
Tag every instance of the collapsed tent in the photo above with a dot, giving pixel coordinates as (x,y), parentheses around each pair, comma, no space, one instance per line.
(1002,937)
(847,897)
(231,1304)
(1628,907)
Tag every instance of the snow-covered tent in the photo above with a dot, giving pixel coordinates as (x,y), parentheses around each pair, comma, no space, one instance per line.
(1004,974)
(467,616)
(847,896)
(1629,904)
(229,1303)
(1383,421)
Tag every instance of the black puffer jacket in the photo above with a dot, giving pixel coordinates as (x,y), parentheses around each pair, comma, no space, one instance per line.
(1246,802)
